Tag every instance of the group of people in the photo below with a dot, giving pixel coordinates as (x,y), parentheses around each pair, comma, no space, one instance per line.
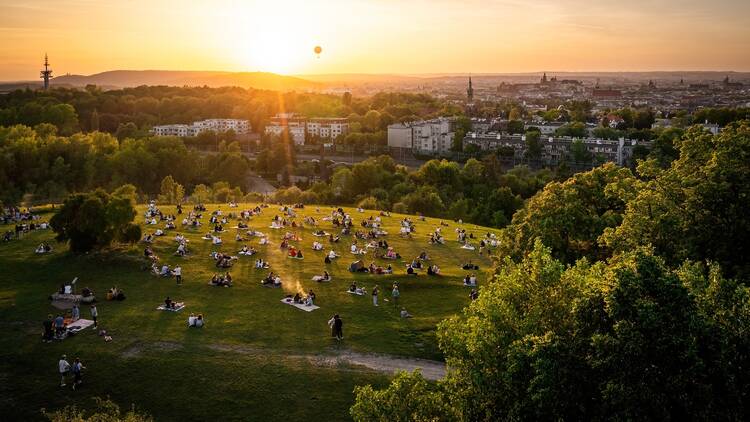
(66,369)
(271,280)
(222,280)
(307,300)
(195,320)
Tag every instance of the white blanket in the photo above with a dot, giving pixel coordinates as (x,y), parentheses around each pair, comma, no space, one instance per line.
(289,301)
(178,306)
(79,325)
(356,293)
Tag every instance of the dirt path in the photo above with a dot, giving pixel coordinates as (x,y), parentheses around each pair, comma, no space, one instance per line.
(432,370)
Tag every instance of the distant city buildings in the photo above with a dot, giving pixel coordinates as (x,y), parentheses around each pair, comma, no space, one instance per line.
(300,128)
(240,127)
(431,137)
(557,149)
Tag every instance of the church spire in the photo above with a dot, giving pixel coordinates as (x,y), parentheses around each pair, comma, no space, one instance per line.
(470,92)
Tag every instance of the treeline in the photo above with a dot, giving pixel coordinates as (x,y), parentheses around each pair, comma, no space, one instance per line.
(38,164)
(480,192)
(617,296)
(133,111)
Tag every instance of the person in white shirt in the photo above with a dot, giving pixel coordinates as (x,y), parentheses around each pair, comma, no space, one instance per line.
(64,368)
(177,273)
(191,320)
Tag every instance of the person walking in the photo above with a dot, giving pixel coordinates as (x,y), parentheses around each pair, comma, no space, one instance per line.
(395,294)
(337,327)
(375,295)
(94,315)
(177,271)
(77,372)
(64,367)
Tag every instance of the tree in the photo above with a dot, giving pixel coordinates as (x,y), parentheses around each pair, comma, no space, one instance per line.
(94,126)
(533,146)
(106,411)
(570,216)
(697,208)
(127,130)
(623,340)
(408,398)
(94,220)
(346,98)
(171,191)
(578,152)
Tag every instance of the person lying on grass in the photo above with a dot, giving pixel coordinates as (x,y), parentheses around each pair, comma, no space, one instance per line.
(321,278)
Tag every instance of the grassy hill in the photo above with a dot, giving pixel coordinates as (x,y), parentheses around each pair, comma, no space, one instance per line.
(256,358)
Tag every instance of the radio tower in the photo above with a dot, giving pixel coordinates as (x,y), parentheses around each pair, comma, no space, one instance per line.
(46,73)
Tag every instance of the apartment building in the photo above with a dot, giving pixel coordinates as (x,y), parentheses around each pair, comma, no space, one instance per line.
(240,127)
(430,137)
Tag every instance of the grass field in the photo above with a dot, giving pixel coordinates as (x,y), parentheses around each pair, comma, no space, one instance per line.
(256,359)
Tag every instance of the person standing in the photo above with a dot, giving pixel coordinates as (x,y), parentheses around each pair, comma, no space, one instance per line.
(77,372)
(94,315)
(59,326)
(177,271)
(338,327)
(64,368)
(375,295)
(75,313)
(395,294)
(47,324)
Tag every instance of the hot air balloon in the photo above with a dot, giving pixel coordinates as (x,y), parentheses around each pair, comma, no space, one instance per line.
(318,50)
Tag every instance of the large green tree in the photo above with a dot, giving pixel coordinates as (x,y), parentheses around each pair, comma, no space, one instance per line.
(94,220)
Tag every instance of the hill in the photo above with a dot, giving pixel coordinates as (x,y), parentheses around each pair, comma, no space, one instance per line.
(256,358)
(131,78)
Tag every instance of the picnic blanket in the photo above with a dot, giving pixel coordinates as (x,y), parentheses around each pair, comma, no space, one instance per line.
(321,278)
(469,247)
(178,306)
(356,293)
(79,325)
(289,301)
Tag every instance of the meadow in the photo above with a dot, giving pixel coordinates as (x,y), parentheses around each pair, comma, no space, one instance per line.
(256,358)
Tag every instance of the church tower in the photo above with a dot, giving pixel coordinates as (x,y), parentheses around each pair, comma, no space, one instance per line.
(46,73)
(470,92)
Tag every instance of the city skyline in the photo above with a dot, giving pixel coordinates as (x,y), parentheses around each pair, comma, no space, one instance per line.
(384,37)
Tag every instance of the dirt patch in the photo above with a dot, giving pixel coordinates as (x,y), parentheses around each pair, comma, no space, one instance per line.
(162,346)
(431,370)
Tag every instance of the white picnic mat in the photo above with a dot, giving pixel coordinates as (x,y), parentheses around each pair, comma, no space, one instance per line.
(355,293)
(178,306)
(79,325)
(302,306)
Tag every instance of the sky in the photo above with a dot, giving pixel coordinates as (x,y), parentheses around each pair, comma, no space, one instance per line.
(373,36)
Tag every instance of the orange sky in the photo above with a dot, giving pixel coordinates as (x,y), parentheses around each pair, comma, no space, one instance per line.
(373,36)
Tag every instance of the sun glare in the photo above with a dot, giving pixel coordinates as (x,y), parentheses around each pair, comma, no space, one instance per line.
(264,37)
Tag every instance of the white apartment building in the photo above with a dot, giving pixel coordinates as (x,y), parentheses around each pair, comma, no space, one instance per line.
(240,127)
(300,127)
(430,137)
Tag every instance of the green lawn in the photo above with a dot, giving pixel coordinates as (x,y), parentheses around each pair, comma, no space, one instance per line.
(252,360)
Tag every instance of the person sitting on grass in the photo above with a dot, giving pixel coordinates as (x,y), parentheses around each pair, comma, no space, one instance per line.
(317,246)
(208,236)
(168,303)
(165,271)
(191,320)
(310,299)
(43,248)
(261,264)
(410,270)
(433,270)
(405,313)
(181,250)
(327,260)
(474,295)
